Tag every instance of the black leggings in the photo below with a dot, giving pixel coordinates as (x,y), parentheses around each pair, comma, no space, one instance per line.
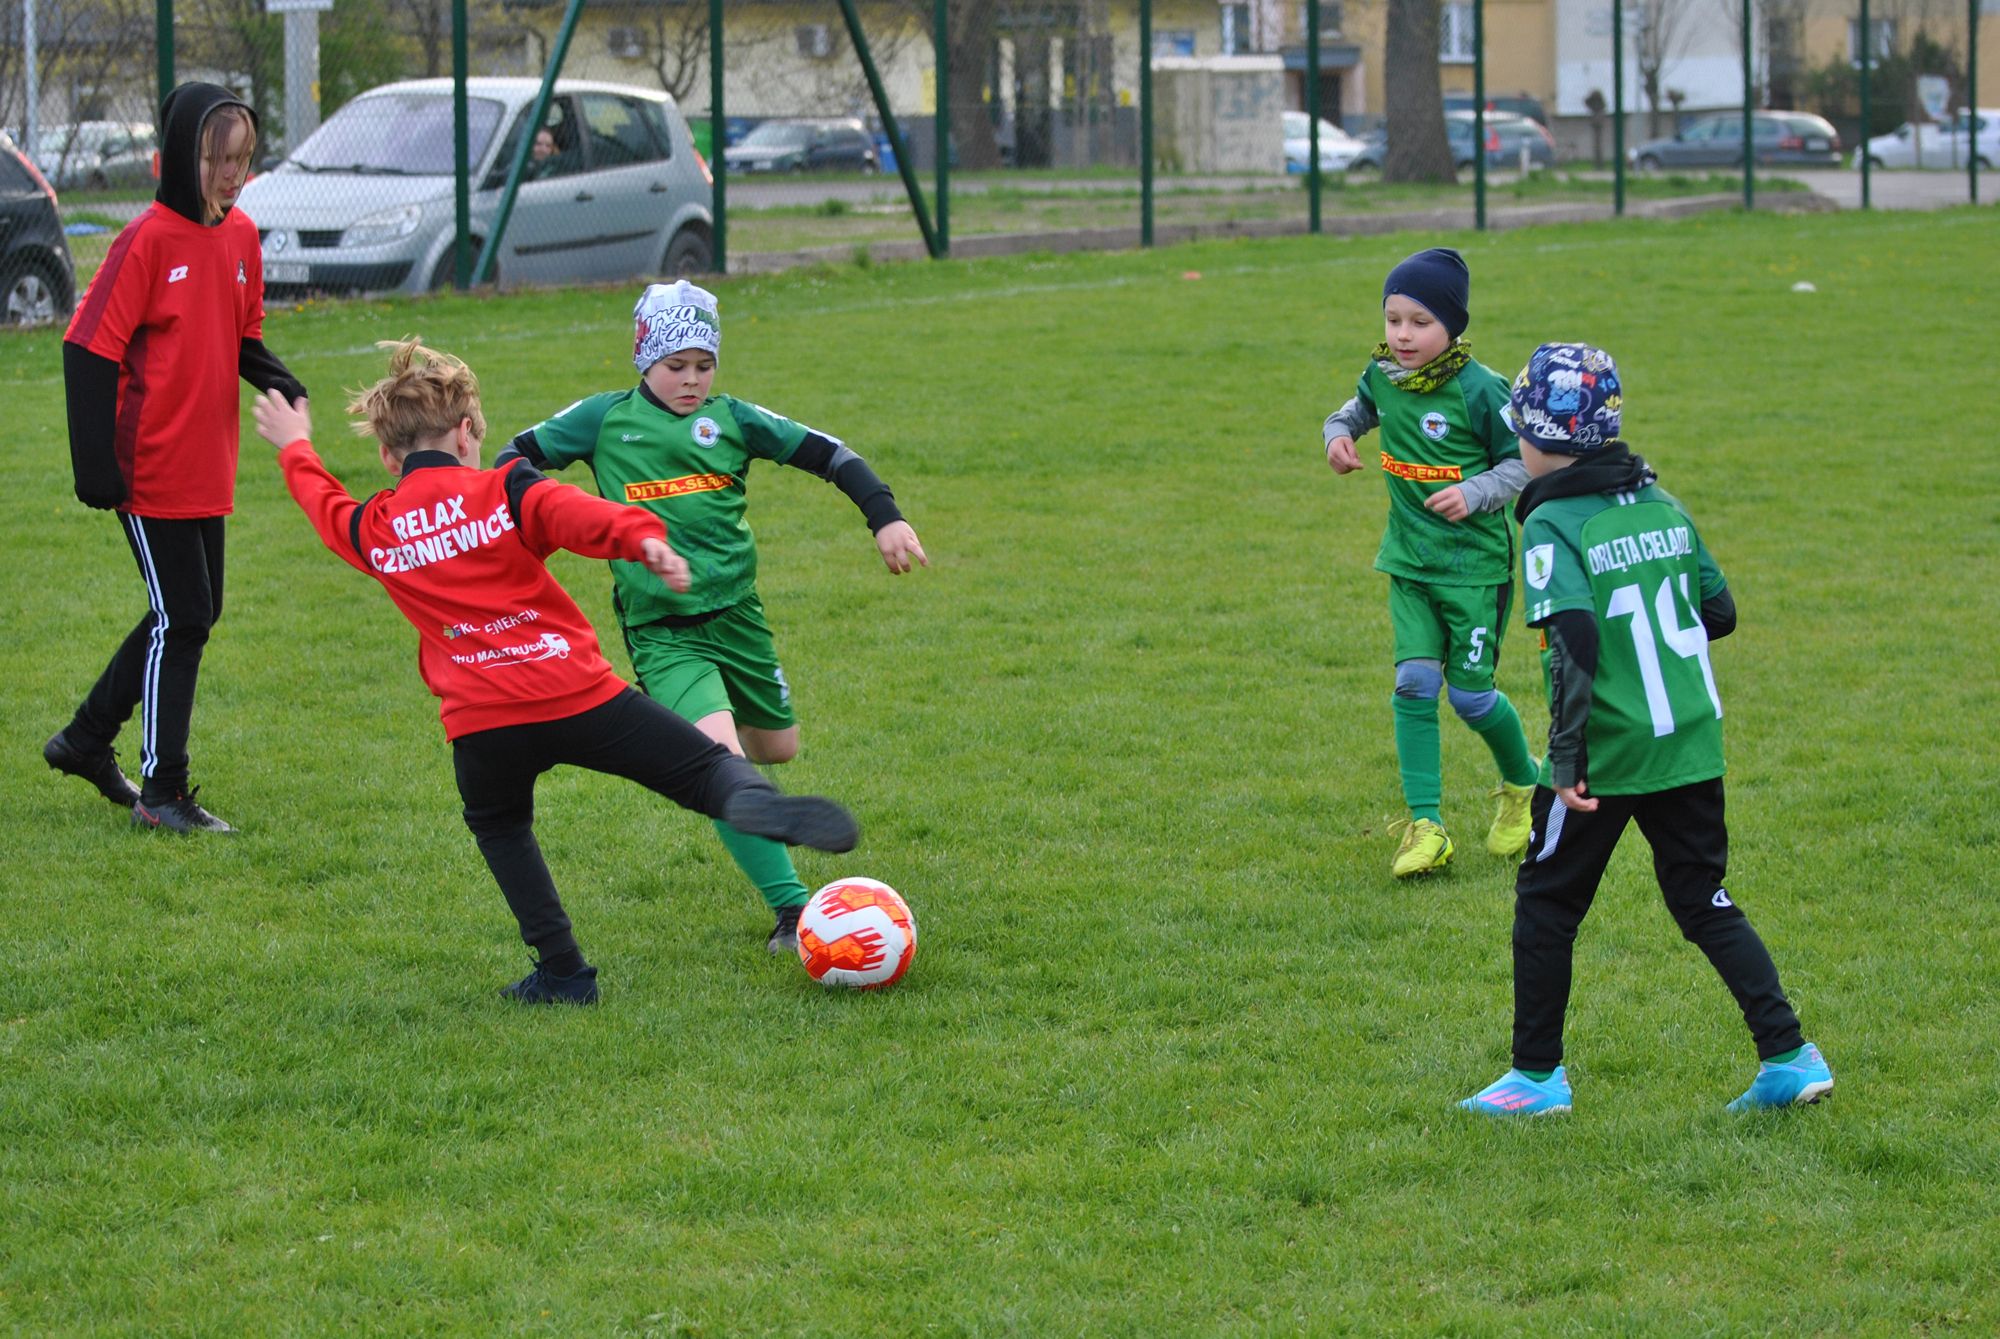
(630,736)
(155,668)
(1559,877)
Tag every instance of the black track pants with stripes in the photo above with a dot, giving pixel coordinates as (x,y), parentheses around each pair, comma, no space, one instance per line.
(1558,879)
(155,668)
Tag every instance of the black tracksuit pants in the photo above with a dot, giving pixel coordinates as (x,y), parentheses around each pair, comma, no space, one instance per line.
(155,668)
(1558,879)
(630,736)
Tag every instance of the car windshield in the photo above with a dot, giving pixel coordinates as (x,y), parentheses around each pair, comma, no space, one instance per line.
(775,135)
(397,134)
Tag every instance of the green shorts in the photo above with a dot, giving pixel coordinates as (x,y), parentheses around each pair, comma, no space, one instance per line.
(728,663)
(1458,626)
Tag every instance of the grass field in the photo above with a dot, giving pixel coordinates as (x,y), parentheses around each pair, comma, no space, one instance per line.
(1176,1056)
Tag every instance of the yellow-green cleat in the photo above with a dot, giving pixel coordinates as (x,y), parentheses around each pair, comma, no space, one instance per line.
(1513,824)
(1426,847)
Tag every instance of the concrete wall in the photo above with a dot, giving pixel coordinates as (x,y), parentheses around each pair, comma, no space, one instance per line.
(1219,114)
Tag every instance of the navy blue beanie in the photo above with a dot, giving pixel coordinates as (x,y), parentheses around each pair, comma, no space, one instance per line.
(1438,279)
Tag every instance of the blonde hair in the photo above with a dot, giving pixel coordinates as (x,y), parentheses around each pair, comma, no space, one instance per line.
(427,393)
(214,130)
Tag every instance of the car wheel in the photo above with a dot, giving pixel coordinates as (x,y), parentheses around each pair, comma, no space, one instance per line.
(1649,163)
(1875,160)
(688,254)
(446,270)
(31,298)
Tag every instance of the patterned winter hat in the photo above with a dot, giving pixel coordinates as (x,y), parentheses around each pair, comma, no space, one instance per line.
(672,317)
(1566,399)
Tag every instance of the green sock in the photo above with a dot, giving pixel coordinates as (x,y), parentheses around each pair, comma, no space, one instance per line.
(1501,729)
(1418,756)
(768,864)
(1784,1059)
(1538,1075)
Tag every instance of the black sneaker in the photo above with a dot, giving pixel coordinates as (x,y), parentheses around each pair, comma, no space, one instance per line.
(544,987)
(180,814)
(796,820)
(785,934)
(100,768)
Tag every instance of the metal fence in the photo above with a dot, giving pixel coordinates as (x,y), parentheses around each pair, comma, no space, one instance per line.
(687,136)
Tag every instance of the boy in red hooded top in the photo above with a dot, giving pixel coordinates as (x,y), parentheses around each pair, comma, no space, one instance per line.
(522,685)
(150,363)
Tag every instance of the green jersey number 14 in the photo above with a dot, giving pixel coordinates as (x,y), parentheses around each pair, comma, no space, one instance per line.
(1689,642)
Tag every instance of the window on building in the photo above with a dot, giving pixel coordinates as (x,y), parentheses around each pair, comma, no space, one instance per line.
(1455,33)
(1883,46)
(1330,18)
(625,43)
(1236,30)
(1173,41)
(815,40)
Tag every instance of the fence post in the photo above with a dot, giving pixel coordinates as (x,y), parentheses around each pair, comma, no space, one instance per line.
(1867,59)
(1479,111)
(1145,122)
(718,140)
(1749,158)
(904,167)
(461,157)
(163,38)
(557,54)
(1618,107)
(1971,98)
(941,128)
(1312,115)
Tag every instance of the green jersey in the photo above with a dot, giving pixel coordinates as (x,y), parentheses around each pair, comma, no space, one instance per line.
(691,471)
(1636,564)
(1430,441)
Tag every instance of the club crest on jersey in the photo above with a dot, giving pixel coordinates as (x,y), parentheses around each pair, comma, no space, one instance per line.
(705,431)
(1434,426)
(1541,565)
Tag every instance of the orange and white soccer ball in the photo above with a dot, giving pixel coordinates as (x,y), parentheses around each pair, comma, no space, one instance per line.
(857,933)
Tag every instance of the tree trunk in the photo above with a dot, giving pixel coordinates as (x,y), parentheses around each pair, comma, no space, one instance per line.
(1418,149)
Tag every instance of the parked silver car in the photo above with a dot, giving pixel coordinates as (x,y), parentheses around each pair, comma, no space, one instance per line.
(93,155)
(613,190)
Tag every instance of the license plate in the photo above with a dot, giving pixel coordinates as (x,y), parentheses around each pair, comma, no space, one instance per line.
(1817,143)
(287,272)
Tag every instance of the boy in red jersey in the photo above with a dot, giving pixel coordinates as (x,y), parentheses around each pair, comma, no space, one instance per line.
(516,666)
(150,362)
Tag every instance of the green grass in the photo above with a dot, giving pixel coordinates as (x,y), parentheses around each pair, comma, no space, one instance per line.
(1175,1056)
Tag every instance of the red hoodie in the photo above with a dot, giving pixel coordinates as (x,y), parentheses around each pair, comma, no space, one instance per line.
(461,551)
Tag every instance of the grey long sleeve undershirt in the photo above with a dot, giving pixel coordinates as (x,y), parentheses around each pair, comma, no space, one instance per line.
(1490,490)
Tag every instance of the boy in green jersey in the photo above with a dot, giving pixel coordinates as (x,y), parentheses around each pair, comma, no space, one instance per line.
(671,447)
(1627,600)
(1449,458)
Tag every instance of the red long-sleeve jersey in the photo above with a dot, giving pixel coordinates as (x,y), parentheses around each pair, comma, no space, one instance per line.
(462,553)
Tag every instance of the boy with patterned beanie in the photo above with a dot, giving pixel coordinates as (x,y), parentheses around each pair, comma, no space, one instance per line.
(1627,599)
(669,446)
(1449,459)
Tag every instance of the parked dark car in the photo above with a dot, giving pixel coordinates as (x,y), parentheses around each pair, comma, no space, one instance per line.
(1519,106)
(837,145)
(37,280)
(1792,139)
(1506,135)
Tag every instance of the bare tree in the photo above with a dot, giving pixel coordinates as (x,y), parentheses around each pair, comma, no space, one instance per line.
(1664,29)
(1418,149)
(677,46)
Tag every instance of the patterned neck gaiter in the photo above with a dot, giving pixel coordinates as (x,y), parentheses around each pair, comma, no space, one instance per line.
(1433,374)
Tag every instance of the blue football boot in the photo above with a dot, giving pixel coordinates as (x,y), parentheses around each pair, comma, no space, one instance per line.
(1515,1094)
(1805,1078)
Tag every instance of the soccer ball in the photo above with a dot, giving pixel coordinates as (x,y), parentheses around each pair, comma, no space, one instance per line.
(857,932)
